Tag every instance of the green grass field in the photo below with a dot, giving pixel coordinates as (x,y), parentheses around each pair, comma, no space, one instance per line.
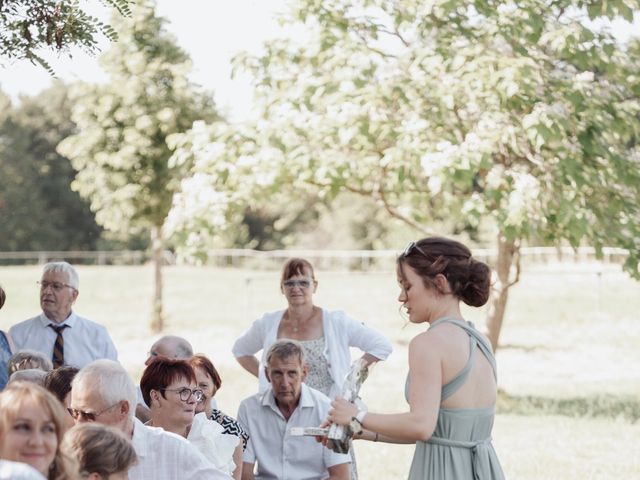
(569,368)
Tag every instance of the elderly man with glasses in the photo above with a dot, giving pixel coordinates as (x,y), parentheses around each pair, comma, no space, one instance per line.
(103,392)
(58,332)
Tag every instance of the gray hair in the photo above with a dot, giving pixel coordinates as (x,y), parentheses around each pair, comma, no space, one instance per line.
(179,347)
(28,359)
(285,348)
(33,375)
(110,380)
(66,268)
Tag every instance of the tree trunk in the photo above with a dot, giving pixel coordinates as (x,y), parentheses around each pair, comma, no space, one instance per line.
(156,252)
(508,253)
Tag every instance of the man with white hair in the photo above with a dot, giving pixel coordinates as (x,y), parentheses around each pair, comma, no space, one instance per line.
(58,332)
(103,392)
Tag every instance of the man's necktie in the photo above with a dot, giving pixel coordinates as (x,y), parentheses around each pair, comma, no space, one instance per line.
(58,347)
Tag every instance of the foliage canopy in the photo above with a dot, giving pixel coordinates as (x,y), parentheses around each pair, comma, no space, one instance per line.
(527,113)
(30,27)
(522,112)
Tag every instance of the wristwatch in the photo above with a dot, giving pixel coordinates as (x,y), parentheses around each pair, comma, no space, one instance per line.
(356,422)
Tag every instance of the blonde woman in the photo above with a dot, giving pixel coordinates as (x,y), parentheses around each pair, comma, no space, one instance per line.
(103,452)
(31,429)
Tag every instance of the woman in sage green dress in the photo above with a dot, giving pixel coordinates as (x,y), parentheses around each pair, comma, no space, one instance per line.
(451,386)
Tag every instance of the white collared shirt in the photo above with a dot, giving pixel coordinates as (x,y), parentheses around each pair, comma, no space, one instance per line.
(84,340)
(278,454)
(166,456)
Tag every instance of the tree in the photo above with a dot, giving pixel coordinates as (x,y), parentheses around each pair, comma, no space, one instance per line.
(120,149)
(526,113)
(38,209)
(28,28)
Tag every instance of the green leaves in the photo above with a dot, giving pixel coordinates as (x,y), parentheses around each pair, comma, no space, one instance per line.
(522,112)
(121,148)
(29,28)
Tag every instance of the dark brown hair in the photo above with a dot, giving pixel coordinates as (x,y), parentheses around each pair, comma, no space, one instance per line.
(469,279)
(161,372)
(296,266)
(58,381)
(201,361)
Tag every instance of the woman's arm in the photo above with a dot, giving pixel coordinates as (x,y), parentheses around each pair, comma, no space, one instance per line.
(376,437)
(250,363)
(237,459)
(425,374)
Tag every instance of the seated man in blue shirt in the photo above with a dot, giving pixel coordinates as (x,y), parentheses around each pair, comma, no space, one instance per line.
(269,417)
(58,332)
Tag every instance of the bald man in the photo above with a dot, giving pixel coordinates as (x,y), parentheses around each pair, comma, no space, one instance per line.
(170,346)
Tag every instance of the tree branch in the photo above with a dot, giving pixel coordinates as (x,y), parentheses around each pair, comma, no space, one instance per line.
(396,214)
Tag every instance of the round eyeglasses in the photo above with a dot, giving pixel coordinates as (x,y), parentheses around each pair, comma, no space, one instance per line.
(186,393)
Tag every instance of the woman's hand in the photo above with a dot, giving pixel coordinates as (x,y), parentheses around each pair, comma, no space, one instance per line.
(342,411)
(323,438)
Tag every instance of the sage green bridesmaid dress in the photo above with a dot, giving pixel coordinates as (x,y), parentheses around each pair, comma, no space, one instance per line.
(460,447)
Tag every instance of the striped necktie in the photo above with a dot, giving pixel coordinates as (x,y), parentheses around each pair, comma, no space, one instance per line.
(58,347)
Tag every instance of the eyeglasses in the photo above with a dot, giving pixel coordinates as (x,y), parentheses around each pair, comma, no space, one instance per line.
(410,247)
(186,393)
(289,284)
(89,416)
(57,286)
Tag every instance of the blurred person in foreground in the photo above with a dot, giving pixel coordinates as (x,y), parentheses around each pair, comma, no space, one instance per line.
(270,415)
(6,347)
(326,335)
(103,453)
(31,429)
(209,382)
(103,392)
(58,332)
(171,390)
(18,471)
(451,386)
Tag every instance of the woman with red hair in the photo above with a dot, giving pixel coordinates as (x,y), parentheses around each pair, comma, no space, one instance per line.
(170,388)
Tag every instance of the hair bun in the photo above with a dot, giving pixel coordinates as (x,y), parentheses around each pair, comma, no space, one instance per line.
(477,288)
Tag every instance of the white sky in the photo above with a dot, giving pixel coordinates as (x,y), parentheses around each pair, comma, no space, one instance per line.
(211,31)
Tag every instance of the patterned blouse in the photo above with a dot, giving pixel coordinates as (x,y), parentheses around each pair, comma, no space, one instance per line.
(230,426)
(318,375)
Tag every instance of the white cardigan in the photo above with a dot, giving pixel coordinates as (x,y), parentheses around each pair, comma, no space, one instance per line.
(340,333)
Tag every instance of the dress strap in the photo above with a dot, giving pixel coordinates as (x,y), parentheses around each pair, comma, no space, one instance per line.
(475,340)
(456,382)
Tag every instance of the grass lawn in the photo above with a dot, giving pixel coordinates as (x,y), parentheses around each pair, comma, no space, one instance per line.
(568,366)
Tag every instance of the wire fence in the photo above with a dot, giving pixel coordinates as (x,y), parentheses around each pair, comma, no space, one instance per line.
(322,259)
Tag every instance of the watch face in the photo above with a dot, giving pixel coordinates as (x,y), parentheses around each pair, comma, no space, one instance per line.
(356,426)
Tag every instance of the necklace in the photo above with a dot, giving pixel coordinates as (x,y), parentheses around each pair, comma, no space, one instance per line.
(295,328)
